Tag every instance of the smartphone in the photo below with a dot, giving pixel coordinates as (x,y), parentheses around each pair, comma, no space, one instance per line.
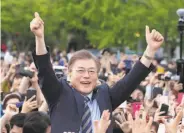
(165,108)
(26,73)
(135,107)
(31,92)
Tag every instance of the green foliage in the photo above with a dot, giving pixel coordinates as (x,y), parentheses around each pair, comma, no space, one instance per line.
(103,22)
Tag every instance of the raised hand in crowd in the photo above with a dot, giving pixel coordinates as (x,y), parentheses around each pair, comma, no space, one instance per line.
(154,40)
(101,126)
(171,127)
(29,105)
(157,116)
(37,27)
(148,103)
(11,110)
(124,124)
(140,125)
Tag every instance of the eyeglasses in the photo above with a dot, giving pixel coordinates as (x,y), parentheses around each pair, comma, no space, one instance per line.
(83,71)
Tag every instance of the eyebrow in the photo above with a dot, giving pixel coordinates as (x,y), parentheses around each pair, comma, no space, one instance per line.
(87,68)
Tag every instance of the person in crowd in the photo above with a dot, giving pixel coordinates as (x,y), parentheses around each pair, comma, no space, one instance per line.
(17,122)
(37,122)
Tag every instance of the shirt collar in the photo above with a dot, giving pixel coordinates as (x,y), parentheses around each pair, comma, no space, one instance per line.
(90,95)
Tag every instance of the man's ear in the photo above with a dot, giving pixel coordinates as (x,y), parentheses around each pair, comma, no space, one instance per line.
(69,74)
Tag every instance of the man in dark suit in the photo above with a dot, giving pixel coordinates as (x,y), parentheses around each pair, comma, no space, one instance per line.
(73,107)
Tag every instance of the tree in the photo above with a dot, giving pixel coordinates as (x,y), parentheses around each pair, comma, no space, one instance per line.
(102,23)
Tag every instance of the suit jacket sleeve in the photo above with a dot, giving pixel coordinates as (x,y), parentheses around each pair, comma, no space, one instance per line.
(51,87)
(124,87)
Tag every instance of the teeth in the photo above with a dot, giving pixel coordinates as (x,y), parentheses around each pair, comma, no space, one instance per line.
(85,82)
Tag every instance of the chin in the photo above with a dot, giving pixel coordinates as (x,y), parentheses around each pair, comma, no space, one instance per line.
(86,91)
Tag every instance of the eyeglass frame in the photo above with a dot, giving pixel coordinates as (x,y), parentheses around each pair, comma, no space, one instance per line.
(83,71)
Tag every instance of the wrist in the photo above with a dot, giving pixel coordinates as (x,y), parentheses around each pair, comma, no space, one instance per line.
(149,53)
(41,37)
(24,111)
(34,84)
(7,117)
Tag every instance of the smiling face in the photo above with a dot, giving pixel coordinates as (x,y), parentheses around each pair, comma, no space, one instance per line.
(83,75)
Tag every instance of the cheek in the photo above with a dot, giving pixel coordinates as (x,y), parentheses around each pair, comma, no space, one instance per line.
(94,80)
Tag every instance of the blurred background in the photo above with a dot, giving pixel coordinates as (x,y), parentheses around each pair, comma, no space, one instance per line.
(91,24)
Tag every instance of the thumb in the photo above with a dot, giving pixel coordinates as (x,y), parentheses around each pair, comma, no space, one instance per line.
(147,30)
(36,15)
(96,122)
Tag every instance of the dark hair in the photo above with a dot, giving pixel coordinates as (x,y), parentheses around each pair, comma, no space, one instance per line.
(156,125)
(17,120)
(7,127)
(10,96)
(36,122)
(83,54)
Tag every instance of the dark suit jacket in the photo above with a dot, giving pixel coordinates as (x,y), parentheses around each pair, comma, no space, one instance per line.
(66,104)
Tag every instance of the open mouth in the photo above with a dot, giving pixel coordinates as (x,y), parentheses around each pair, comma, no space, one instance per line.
(85,83)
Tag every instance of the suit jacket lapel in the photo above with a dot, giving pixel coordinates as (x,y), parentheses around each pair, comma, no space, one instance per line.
(100,100)
(80,102)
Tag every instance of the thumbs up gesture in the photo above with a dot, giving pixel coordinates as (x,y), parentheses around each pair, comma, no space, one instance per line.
(154,40)
(37,26)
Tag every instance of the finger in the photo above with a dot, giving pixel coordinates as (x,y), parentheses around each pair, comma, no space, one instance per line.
(34,107)
(36,15)
(130,118)
(33,104)
(25,99)
(109,122)
(96,123)
(158,110)
(34,27)
(120,118)
(178,117)
(147,30)
(144,114)
(162,112)
(157,36)
(153,32)
(160,37)
(12,106)
(137,115)
(41,21)
(103,114)
(108,116)
(29,100)
(117,123)
(164,121)
(150,122)
(123,116)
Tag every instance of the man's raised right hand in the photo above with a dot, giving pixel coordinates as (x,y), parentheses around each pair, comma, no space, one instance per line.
(37,26)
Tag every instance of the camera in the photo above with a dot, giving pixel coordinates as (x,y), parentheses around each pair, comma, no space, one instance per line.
(59,71)
(23,71)
(168,77)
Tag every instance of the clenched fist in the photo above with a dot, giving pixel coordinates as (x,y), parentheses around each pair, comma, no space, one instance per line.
(154,39)
(37,26)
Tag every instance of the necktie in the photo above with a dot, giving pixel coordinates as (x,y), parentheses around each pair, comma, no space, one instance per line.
(86,118)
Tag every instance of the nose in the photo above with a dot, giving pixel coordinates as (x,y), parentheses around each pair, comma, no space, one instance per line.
(86,74)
